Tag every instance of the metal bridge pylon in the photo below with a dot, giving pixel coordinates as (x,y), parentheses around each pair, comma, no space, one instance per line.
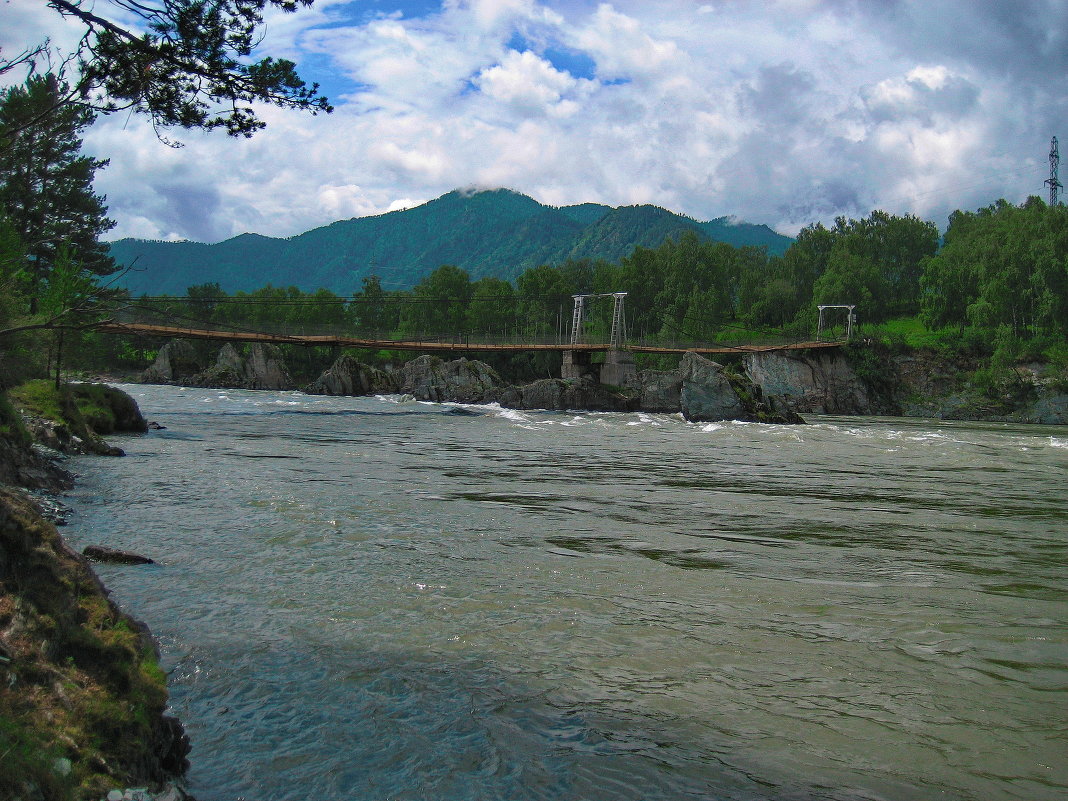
(619,319)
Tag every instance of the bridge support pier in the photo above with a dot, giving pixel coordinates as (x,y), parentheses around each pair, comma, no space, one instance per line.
(618,367)
(576,363)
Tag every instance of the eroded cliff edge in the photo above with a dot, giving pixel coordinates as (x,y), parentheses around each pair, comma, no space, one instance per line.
(82,696)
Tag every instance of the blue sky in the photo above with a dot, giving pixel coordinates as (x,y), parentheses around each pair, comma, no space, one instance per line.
(782,112)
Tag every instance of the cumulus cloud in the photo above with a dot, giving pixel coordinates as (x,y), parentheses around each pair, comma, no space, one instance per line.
(782,112)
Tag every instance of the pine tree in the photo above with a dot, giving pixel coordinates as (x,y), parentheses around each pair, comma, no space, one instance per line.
(46,191)
(184,63)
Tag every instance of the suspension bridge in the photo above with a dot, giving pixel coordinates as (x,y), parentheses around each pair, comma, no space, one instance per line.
(619,349)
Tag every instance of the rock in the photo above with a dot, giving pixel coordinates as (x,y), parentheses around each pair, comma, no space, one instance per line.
(707,394)
(57,437)
(265,368)
(1051,408)
(175,361)
(172,745)
(25,466)
(822,382)
(428,378)
(261,368)
(561,394)
(114,409)
(469,381)
(101,553)
(658,390)
(348,376)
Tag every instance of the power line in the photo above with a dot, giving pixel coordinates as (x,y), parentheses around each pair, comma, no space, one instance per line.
(1054,164)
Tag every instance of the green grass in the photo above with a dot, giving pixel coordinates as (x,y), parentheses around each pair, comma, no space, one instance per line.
(40,398)
(11,426)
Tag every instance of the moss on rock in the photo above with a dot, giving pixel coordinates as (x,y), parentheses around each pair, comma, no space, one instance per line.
(72,417)
(81,692)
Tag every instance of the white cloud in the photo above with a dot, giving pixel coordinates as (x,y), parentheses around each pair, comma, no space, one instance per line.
(778,112)
(527,84)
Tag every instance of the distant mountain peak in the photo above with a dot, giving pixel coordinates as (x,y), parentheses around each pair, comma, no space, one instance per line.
(487,231)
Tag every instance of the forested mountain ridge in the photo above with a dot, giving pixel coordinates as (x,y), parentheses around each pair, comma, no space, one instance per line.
(494,233)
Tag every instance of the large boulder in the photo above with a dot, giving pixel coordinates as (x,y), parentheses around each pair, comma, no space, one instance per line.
(658,390)
(711,393)
(348,376)
(821,382)
(707,394)
(428,378)
(261,368)
(108,409)
(176,361)
(561,394)
(265,368)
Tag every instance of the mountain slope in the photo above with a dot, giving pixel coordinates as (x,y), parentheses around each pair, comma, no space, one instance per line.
(496,233)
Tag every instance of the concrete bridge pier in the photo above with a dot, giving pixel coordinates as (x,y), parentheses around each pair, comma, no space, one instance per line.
(576,363)
(618,367)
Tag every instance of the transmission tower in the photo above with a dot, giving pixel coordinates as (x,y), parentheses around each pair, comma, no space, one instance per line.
(1054,163)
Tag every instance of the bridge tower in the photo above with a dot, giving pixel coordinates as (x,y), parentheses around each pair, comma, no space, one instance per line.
(619,363)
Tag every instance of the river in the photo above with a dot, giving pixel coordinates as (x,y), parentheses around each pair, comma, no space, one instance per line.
(373,598)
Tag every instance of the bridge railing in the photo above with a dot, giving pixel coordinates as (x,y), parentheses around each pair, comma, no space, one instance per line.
(517,337)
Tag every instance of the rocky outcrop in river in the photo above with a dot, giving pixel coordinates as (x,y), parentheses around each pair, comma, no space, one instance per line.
(705,391)
(175,362)
(561,394)
(262,367)
(820,382)
(772,386)
(349,376)
(427,378)
(699,388)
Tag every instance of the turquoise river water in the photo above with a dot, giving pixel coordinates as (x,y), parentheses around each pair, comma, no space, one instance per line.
(373,598)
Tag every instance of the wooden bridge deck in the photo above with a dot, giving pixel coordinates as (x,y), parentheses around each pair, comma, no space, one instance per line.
(423,345)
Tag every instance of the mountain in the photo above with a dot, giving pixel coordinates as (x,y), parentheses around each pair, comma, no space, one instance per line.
(495,232)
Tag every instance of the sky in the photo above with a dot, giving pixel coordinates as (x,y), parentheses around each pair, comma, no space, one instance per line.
(781,112)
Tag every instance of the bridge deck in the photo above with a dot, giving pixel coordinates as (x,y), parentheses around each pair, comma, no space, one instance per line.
(422,345)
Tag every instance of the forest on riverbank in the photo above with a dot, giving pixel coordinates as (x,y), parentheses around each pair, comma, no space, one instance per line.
(993,289)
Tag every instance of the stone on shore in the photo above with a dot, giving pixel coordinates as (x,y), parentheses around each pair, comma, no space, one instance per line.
(102,553)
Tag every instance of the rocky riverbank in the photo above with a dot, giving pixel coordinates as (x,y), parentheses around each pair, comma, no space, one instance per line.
(775,386)
(82,696)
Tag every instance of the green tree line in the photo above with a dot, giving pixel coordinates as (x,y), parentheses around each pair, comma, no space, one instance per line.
(997,282)
(1003,266)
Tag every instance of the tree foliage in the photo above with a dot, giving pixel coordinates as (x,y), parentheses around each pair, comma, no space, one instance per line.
(184,63)
(1002,266)
(1002,274)
(46,183)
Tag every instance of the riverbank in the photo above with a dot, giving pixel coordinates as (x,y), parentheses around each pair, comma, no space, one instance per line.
(864,379)
(82,697)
